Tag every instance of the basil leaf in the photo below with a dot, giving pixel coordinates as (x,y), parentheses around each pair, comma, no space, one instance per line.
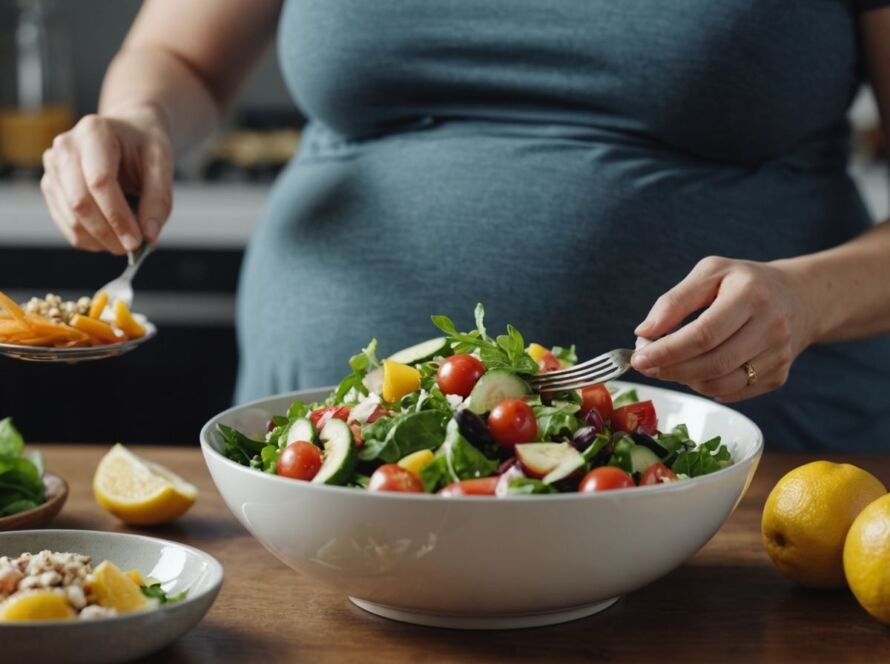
(11,441)
(708,457)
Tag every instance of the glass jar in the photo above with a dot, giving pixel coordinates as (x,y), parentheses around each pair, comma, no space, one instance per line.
(42,100)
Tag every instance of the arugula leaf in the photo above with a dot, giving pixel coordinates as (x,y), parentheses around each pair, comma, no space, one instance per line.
(625,398)
(456,459)
(411,432)
(507,351)
(239,447)
(528,486)
(154,591)
(557,421)
(676,441)
(297,409)
(11,441)
(567,355)
(708,457)
(360,364)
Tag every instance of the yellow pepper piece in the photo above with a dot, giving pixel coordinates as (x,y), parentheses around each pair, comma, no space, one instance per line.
(125,321)
(536,351)
(136,576)
(37,605)
(97,306)
(399,380)
(115,590)
(416,461)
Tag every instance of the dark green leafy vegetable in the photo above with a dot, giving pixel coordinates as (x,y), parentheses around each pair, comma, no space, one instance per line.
(708,457)
(154,591)
(21,479)
(421,430)
(240,447)
(527,486)
(456,459)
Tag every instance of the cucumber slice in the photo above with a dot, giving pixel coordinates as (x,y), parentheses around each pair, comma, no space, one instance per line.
(641,458)
(425,350)
(339,454)
(493,387)
(302,429)
(572,462)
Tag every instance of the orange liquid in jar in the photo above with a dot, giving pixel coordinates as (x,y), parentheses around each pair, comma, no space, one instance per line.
(24,135)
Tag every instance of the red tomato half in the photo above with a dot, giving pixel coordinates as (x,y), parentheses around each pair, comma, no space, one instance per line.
(633,416)
(484,486)
(512,421)
(392,477)
(605,478)
(458,374)
(320,416)
(548,362)
(300,461)
(597,396)
(657,473)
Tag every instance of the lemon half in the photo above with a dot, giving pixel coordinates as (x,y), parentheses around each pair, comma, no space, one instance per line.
(140,492)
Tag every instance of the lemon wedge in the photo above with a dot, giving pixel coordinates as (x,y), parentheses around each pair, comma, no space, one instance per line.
(139,492)
(37,605)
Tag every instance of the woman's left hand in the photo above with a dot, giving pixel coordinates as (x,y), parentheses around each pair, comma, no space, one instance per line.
(756,321)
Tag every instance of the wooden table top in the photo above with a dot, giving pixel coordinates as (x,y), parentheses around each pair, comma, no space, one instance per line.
(727,604)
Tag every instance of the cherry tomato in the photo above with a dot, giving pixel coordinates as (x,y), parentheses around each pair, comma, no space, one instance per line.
(320,416)
(512,421)
(657,473)
(392,477)
(633,416)
(597,396)
(548,362)
(483,486)
(458,374)
(299,460)
(605,478)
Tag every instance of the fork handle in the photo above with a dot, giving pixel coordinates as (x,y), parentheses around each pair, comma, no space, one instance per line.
(134,260)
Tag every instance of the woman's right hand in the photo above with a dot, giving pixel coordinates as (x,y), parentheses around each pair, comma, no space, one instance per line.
(89,169)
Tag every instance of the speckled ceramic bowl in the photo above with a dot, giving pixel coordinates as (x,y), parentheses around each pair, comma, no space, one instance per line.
(481,562)
(122,638)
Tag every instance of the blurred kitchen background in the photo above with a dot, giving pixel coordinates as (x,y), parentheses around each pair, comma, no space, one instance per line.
(52,58)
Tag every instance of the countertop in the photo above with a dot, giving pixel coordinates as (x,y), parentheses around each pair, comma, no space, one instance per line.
(727,604)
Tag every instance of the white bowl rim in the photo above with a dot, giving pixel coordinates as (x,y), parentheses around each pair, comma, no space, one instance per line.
(214,564)
(685,485)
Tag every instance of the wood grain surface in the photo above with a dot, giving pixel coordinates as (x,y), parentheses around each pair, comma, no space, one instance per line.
(727,604)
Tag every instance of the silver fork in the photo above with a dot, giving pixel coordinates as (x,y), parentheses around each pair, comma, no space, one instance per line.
(600,369)
(122,287)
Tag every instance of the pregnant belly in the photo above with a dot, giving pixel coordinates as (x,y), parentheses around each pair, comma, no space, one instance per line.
(571,239)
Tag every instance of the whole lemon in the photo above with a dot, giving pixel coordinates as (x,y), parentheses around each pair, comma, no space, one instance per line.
(867,558)
(806,518)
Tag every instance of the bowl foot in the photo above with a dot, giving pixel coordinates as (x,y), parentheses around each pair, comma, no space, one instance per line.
(481,621)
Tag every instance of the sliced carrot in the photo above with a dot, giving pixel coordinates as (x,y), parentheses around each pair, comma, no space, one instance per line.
(14,309)
(125,321)
(97,329)
(97,306)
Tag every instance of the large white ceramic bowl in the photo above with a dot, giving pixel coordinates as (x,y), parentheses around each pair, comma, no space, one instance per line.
(481,562)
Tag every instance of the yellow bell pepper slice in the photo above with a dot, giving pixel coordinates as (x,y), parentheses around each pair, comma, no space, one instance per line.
(399,380)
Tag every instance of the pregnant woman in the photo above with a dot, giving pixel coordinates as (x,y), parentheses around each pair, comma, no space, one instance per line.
(590,170)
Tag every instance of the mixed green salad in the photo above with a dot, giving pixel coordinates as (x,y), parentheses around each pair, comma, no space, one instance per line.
(455,415)
(21,477)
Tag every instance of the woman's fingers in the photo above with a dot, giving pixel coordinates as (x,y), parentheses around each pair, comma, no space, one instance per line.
(696,291)
(771,372)
(100,164)
(75,235)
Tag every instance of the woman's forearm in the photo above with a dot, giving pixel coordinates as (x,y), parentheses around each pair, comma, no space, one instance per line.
(847,287)
(168,91)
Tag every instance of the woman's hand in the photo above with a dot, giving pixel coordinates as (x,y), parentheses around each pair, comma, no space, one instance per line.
(88,170)
(756,321)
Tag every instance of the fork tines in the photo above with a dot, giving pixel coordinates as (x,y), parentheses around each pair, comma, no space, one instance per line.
(600,369)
